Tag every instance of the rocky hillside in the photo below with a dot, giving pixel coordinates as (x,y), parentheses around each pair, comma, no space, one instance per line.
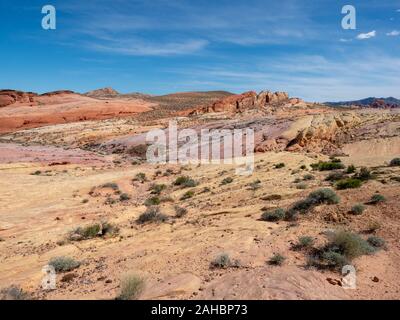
(371,102)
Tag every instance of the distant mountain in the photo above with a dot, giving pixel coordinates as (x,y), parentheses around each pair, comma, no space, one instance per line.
(104,92)
(371,102)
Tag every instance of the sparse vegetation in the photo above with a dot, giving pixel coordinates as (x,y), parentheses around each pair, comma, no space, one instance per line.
(185,182)
(111,185)
(277,259)
(157,188)
(180,211)
(301,186)
(187,195)
(376,199)
(36,173)
(254,185)
(124,197)
(376,242)
(279,165)
(349,183)
(141,177)
(223,261)
(92,231)
(351,169)
(328,165)
(364,174)
(152,214)
(320,196)
(303,167)
(305,242)
(373,227)
(273,215)
(14,293)
(227,180)
(357,209)
(64,264)
(335,176)
(152,201)
(395,162)
(132,286)
(308,177)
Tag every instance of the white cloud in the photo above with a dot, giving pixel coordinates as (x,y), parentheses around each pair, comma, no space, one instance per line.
(393,33)
(345,40)
(368,35)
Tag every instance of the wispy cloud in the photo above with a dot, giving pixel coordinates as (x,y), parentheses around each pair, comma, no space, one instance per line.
(368,35)
(393,33)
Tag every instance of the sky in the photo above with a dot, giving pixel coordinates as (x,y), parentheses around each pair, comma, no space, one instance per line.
(164,46)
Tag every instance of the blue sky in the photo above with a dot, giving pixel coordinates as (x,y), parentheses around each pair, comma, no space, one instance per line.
(162,46)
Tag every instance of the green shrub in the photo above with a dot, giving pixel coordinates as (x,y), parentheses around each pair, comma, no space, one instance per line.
(376,242)
(132,286)
(185,182)
(273,215)
(180,212)
(373,226)
(64,264)
(124,197)
(141,177)
(291,215)
(227,180)
(334,259)
(187,195)
(351,169)
(324,195)
(308,177)
(305,242)
(349,183)
(327,166)
(377,198)
(277,259)
(395,162)
(152,214)
(349,244)
(223,261)
(279,165)
(152,201)
(364,174)
(357,209)
(157,188)
(255,185)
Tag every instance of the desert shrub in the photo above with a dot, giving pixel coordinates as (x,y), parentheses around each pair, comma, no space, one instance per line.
(377,198)
(227,180)
(395,162)
(92,231)
(334,259)
(111,185)
(152,201)
(272,197)
(376,242)
(349,183)
(351,169)
(138,151)
(124,197)
(308,177)
(279,165)
(357,209)
(273,215)
(373,226)
(157,188)
(303,167)
(223,261)
(305,242)
(364,174)
(141,177)
(152,214)
(254,185)
(180,211)
(185,182)
(301,186)
(36,173)
(64,264)
(349,244)
(327,166)
(335,176)
(14,293)
(187,195)
(291,215)
(324,195)
(277,259)
(132,286)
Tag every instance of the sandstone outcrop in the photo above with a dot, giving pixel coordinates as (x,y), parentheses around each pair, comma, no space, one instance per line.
(247,101)
(104,92)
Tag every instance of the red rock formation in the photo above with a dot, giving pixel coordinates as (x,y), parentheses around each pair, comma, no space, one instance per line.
(8,97)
